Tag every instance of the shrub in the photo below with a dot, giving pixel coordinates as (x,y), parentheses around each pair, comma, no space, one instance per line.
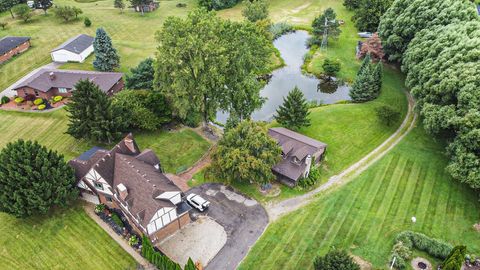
(280,28)
(181,5)
(3,25)
(133,240)
(19,100)
(117,220)
(335,260)
(4,100)
(87,22)
(23,12)
(217,4)
(38,101)
(41,107)
(455,259)
(331,67)
(387,115)
(312,178)
(57,99)
(99,208)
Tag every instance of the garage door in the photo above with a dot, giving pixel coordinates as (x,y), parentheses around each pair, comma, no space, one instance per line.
(90,198)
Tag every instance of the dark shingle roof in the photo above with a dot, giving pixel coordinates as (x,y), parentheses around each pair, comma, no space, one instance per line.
(8,43)
(76,44)
(43,81)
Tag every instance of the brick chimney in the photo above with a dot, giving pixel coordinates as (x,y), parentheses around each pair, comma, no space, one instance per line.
(51,76)
(122,191)
(129,144)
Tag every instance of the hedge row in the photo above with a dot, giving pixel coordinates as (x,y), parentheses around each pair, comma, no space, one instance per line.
(408,240)
(161,261)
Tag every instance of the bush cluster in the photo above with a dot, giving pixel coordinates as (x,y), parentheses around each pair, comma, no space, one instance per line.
(217,4)
(19,100)
(280,28)
(41,107)
(57,99)
(312,178)
(4,100)
(38,101)
(117,220)
(161,261)
(408,240)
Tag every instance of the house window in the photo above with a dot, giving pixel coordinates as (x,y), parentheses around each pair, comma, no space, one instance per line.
(108,198)
(62,90)
(98,185)
(36,93)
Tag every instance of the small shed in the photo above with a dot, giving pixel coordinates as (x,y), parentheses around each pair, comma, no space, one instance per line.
(76,49)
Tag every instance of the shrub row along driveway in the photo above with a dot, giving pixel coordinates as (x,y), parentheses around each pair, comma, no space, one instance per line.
(243,219)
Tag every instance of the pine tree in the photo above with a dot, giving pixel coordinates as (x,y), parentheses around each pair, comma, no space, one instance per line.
(293,113)
(368,82)
(91,114)
(190,265)
(33,179)
(106,57)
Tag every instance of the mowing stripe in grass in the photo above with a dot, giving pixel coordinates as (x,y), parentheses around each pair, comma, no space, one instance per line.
(432,209)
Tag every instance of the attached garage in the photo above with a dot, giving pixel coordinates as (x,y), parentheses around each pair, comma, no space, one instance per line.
(76,49)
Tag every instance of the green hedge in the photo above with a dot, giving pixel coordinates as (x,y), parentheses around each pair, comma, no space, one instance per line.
(161,261)
(408,240)
(117,220)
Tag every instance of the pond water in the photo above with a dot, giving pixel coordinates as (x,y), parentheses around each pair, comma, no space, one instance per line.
(292,49)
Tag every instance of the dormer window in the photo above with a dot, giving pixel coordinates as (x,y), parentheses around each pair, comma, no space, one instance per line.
(98,185)
(296,160)
(284,156)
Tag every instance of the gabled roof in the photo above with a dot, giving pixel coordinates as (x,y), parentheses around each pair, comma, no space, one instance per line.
(45,79)
(8,43)
(76,44)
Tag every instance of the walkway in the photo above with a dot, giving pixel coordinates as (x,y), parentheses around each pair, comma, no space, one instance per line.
(140,260)
(276,210)
(9,90)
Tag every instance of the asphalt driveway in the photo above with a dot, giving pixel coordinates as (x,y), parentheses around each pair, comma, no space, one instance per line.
(243,219)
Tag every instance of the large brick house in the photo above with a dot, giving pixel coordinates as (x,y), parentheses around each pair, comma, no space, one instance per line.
(47,83)
(11,46)
(132,181)
(299,153)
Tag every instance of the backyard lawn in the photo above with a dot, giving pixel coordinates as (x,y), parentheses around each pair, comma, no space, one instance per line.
(63,239)
(175,149)
(365,215)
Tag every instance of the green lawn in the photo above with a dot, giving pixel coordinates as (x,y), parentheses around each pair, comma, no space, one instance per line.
(64,239)
(175,149)
(365,215)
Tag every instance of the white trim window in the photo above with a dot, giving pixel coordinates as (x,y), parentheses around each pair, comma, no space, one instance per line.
(62,90)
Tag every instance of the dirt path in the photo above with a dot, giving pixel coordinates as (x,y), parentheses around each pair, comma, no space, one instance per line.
(200,165)
(276,210)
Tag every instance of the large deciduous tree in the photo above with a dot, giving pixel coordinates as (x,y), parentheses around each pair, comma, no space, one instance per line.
(405,18)
(106,57)
(92,115)
(293,113)
(217,4)
(141,77)
(442,65)
(33,179)
(245,154)
(335,260)
(23,12)
(8,5)
(325,24)
(367,15)
(255,10)
(372,46)
(214,68)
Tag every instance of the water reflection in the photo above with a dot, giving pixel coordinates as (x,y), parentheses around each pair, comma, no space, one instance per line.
(292,49)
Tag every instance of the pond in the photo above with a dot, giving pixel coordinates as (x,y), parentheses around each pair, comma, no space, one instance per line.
(292,49)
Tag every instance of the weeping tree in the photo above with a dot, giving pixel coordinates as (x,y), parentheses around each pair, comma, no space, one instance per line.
(406,18)
(33,179)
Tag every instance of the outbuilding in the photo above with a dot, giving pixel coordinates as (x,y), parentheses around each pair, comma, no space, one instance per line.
(11,46)
(76,49)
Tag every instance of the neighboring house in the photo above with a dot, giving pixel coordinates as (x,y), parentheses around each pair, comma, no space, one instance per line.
(148,7)
(299,153)
(132,182)
(76,49)
(11,46)
(47,83)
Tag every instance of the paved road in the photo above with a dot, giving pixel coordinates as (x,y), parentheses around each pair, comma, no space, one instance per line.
(279,209)
(243,219)
(9,90)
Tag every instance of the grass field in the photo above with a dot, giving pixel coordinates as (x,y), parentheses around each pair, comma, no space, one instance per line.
(64,239)
(175,149)
(365,215)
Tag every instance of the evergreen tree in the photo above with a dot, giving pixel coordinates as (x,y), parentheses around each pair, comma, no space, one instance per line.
(293,113)
(142,76)
(455,259)
(92,116)
(368,82)
(351,4)
(190,265)
(335,260)
(106,57)
(33,179)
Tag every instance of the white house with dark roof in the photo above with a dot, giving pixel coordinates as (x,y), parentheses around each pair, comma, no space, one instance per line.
(76,49)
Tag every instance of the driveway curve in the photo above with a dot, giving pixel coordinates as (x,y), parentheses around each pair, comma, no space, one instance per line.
(278,209)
